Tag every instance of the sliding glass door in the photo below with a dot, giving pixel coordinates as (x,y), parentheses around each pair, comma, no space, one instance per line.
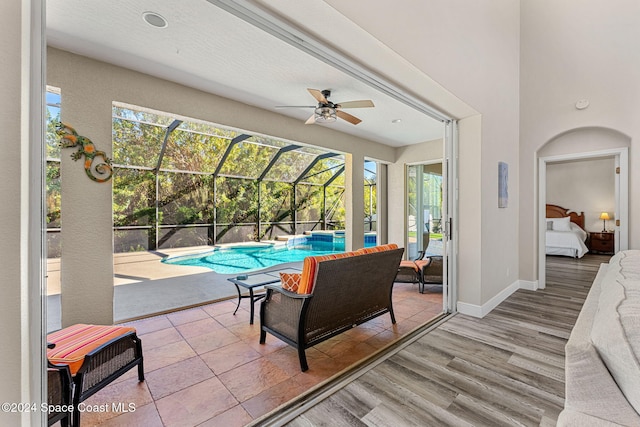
(424,209)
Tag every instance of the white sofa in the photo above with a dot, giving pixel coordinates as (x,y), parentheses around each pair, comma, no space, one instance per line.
(602,364)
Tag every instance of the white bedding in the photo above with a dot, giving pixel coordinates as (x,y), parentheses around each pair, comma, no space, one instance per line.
(567,243)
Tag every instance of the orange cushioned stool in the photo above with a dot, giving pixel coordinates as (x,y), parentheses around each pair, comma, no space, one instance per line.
(96,355)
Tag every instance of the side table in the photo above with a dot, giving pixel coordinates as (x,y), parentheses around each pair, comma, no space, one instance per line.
(602,242)
(255,282)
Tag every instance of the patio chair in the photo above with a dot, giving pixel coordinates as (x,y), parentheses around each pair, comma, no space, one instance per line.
(95,355)
(422,269)
(58,393)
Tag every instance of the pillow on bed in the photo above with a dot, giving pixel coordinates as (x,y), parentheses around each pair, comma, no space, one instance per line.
(561,224)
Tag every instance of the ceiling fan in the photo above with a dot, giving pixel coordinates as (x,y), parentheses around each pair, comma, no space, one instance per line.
(327,111)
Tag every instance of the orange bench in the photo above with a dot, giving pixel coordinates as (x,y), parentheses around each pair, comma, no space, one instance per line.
(96,355)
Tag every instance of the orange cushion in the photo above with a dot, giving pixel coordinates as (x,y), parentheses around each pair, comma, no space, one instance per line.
(380,248)
(75,342)
(290,281)
(310,265)
(408,264)
(422,263)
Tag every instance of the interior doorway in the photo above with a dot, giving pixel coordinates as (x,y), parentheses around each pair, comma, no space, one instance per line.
(619,225)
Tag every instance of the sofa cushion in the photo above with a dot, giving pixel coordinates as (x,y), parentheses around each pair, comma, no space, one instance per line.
(406,263)
(377,248)
(422,263)
(73,343)
(290,281)
(630,265)
(310,264)
(616,326)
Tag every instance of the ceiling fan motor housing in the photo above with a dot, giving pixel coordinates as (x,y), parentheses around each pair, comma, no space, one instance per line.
(327,93)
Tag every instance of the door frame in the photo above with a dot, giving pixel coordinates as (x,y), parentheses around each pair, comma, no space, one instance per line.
(621,156)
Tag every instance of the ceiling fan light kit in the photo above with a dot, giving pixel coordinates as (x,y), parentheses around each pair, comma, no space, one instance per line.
(325,115)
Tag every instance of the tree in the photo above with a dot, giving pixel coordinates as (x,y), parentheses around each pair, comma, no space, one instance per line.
(185,186)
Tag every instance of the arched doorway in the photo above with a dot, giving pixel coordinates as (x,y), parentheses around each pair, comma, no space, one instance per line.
(586,144)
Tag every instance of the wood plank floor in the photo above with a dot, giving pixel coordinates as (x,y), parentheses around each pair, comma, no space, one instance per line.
(506,369)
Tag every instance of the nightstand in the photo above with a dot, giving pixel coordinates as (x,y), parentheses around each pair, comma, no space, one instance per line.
(601,242)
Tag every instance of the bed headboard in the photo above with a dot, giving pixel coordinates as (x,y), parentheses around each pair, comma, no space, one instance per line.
(554,211)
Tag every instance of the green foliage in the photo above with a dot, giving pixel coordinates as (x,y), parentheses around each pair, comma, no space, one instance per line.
(133,197)
(370,200)
(184,192)
(52,199)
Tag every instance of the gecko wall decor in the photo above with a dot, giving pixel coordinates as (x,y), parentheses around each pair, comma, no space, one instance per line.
(70,138)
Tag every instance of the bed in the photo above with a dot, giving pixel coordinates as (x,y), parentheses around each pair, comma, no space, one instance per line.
(565,233)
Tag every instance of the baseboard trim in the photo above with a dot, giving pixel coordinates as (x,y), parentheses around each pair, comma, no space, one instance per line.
(530,285)
(482,310)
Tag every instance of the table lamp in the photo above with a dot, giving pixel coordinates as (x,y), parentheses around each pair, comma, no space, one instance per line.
(604,216)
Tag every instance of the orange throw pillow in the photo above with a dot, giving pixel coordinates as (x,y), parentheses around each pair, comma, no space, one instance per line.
(290,281)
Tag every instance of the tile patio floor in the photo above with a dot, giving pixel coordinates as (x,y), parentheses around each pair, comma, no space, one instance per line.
(205,367)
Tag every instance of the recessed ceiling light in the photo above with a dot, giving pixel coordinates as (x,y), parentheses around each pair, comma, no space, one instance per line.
(396,121)
(155,19)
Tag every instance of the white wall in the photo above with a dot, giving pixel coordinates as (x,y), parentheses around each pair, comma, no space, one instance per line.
(572,50)
(584,186)
(471,48)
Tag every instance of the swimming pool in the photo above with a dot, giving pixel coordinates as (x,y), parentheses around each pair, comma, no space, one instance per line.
(244,258)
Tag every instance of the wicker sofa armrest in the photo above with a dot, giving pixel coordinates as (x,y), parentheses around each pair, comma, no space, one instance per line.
(281,311)
(280,289)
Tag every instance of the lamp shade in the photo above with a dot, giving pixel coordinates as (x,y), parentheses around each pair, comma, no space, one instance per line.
(604,215)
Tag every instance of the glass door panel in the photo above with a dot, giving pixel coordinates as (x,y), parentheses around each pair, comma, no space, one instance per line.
(424,209)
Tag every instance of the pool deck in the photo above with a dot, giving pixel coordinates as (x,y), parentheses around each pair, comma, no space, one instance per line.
(144,286)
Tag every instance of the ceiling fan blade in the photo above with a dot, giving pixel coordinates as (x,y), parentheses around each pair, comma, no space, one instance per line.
(311,120)
(295,106)
(318,95)
(365,103)
(348,117)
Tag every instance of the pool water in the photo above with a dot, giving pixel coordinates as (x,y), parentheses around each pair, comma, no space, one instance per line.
(247,258)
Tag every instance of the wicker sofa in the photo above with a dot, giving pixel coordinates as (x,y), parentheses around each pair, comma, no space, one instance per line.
(335,294)
(602,360)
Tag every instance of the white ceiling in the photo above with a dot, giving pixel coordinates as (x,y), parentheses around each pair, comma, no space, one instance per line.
(209,49)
